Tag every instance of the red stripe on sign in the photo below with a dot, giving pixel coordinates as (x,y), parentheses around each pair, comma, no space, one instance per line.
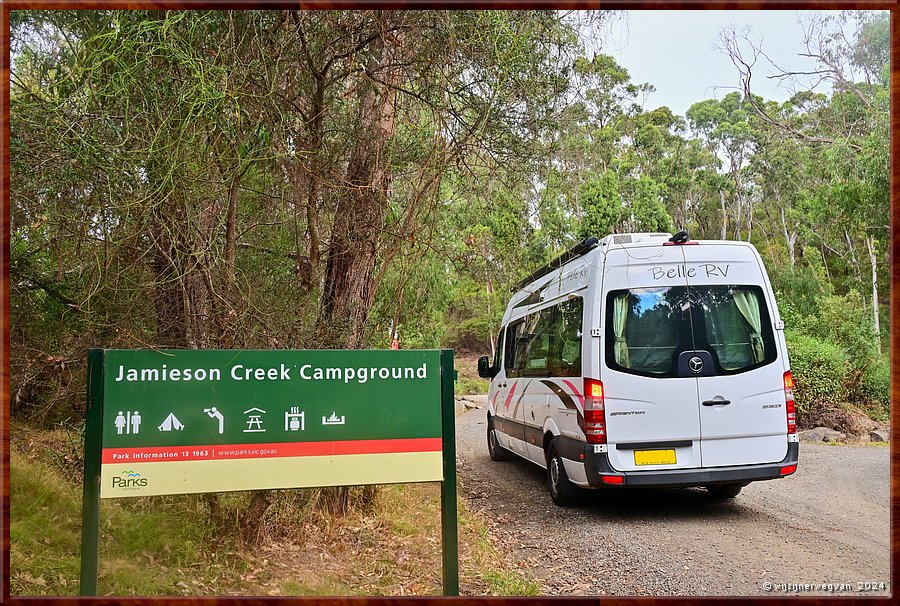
(157,454)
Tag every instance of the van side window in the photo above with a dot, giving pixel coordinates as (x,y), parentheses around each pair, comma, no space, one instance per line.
(509,353)
(498,351)
(539,332)
(548,343)
(523,337)
(566,358)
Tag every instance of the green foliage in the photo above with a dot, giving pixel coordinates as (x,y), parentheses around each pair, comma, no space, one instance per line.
(601,205)
(872,51)
(644,210)
(845,322)
(819,369)
(799,290)
(836,346)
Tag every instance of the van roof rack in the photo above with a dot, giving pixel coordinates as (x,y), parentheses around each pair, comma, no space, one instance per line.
(588,244)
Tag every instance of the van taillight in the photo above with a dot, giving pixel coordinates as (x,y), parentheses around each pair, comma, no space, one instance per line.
(789,406)
(594,426)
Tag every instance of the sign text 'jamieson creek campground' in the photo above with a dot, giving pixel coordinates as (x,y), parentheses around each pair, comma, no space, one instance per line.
(190,421)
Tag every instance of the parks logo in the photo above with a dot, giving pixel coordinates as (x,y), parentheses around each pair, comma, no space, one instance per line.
(131,479)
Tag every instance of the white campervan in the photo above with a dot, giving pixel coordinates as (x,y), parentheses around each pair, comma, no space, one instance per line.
(645,360)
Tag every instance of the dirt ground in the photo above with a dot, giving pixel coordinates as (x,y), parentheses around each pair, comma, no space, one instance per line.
(822,531)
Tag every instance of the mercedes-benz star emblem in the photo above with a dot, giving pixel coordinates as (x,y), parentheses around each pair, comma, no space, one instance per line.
(696,364)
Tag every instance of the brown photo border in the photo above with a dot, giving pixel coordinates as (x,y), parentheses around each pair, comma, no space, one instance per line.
(8,5)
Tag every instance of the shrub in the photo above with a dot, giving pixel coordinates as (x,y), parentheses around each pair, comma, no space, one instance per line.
(799,290)
(468,386)
(845,321)
(874,390)
(820,369)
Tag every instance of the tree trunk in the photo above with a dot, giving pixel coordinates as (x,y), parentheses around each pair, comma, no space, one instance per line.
(824,261)
(749,220)
(200,292)
(790,238)
(724,214)
(309,270)
(252,517)
(349,289)
(738,220)
(852,250)
(359,220)
(489,287)
(169,300)
(873,259)
(230,222)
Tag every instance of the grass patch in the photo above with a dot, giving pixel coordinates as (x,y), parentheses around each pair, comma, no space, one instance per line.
(468,386)
(394,550)
(147,547)
(876,444)
(169,546)
(414,514)
(44,531)
(296,588)
(511,584)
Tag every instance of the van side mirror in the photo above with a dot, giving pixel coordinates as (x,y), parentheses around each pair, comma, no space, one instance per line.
(485,370)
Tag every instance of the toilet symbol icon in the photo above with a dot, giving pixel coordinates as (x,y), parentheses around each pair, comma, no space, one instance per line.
(128,422)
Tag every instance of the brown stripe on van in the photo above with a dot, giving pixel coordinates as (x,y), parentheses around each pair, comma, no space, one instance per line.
(566,398)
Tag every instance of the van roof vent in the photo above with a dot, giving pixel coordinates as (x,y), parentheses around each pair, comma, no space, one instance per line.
(635,238)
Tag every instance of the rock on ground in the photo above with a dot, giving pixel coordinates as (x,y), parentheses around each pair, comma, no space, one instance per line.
(822,434)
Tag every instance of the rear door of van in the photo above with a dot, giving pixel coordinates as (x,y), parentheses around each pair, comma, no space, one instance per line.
(652,416)
(742,405)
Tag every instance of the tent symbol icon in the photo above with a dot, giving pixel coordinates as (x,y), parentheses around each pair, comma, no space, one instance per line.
(171,423)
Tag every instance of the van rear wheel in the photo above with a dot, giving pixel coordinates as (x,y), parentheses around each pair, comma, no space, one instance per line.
(562,491)
(497,452)
(724,491)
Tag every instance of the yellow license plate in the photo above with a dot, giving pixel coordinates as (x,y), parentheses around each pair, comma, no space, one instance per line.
(654,457)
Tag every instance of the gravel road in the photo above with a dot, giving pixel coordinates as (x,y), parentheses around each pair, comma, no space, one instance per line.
(827,523)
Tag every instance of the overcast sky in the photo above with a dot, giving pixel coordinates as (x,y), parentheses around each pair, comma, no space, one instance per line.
(676,52)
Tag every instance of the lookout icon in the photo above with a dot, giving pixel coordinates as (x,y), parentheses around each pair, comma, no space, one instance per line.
(215,414)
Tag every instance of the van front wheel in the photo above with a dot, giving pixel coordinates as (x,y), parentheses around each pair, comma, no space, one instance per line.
(497,452)
(562,491)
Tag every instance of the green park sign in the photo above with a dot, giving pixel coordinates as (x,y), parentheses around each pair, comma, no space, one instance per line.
(163,422)
(211,421)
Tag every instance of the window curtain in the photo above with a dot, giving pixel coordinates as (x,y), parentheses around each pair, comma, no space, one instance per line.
(748,305)
(620,315)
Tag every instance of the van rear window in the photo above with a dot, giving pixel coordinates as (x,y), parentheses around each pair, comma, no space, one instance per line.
(648,328)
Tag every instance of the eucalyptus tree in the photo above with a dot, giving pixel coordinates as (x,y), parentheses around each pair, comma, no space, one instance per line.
(725,126)
(844,134)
